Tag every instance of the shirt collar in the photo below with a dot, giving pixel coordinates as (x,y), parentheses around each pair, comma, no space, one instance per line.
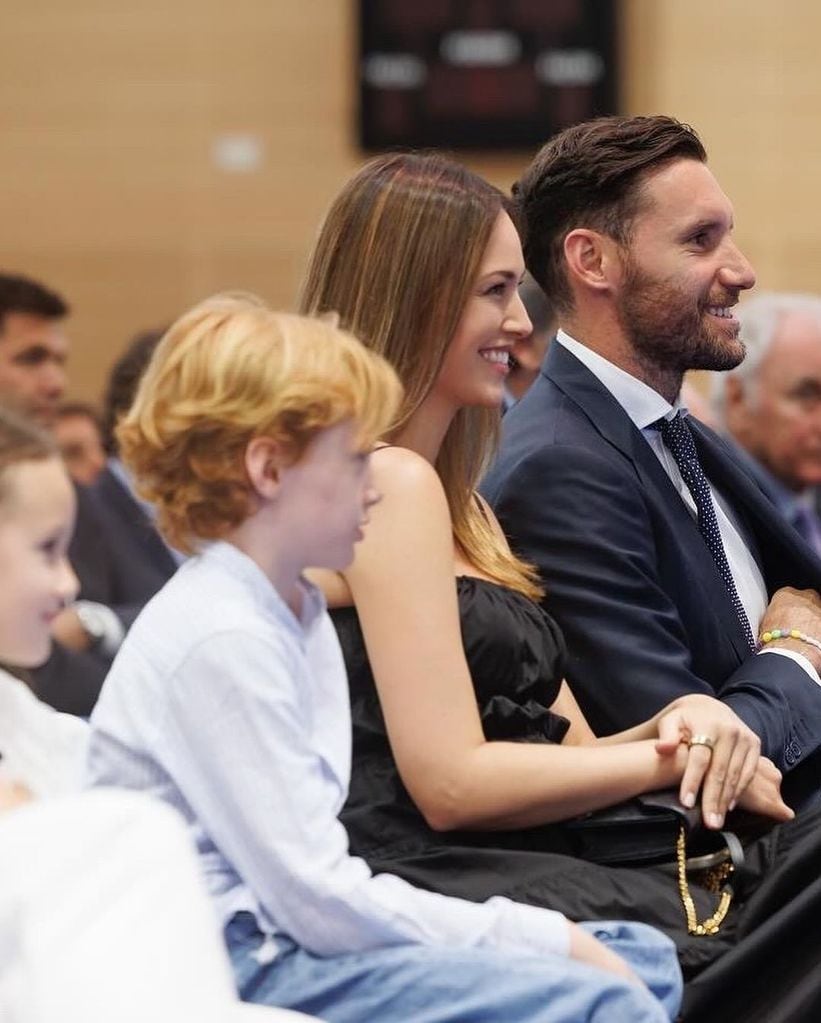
(118,470)
(641,403)
(244,568)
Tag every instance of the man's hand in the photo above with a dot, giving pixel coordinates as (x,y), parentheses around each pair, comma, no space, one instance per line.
(795,609)
(723,772)
(13,794)
(763,794)
(68,630)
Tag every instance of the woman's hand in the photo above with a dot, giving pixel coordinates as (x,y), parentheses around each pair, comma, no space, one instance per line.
(724,769)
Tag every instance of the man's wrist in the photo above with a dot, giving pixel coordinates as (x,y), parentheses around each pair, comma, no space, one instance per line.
(792,639)
(795,646)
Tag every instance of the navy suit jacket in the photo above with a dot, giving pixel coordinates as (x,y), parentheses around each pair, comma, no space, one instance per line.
(125,562)
(646,615)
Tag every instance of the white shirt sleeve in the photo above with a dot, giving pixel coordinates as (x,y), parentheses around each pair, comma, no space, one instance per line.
(238,733)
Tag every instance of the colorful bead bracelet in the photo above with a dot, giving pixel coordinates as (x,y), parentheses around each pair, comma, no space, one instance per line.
(771,634)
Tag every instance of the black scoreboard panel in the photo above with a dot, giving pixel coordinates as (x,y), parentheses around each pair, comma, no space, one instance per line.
(483,74)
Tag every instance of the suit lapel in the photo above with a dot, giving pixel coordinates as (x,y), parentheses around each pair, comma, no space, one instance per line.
(616,428)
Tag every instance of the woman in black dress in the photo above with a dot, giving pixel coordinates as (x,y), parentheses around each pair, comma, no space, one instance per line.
(468,747)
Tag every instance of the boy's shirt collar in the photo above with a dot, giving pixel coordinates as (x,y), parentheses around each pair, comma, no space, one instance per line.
(240,565)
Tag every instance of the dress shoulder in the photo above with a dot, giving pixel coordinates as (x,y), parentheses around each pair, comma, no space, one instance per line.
(516,654)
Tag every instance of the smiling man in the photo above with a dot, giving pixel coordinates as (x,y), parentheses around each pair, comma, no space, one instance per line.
(660,558)
(33,347)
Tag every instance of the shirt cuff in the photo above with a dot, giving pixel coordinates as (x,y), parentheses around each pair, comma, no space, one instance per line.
(799,659)
(532,929)
(102,624)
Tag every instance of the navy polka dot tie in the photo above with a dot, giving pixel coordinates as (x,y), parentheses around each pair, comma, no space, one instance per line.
(677,436)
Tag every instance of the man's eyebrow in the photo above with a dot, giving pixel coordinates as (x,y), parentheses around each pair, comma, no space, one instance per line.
(38,352)
(809,380)
(708,224)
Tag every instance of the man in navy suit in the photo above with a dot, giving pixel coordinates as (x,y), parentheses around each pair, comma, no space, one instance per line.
(663,563)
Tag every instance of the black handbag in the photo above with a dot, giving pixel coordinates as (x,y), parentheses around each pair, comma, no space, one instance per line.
(656,828)
(640,830)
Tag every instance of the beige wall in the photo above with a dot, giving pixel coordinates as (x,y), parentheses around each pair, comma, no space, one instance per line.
(109,113)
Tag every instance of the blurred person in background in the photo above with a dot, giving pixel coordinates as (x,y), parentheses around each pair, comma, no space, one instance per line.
(697,403)
(117,554)
(771,404)
(33,354)
(33,347)
(527,352)
(132,562)
(78,431)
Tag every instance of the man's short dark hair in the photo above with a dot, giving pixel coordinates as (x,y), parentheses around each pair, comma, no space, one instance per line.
(20,294)
(590,175)
(123,381)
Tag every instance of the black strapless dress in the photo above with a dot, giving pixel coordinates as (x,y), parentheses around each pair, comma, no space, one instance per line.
(516,654)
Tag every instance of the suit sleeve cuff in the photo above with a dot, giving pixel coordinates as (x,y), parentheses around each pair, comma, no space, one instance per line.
(799,659)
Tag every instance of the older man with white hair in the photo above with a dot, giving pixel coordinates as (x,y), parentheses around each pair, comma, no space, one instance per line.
(771,404)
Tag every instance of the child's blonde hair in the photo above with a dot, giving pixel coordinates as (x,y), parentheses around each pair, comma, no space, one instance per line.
(230,370)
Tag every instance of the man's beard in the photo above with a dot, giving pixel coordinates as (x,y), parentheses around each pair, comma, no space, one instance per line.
(667,327)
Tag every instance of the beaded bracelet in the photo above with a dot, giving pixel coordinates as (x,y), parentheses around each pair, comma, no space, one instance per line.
(771,634)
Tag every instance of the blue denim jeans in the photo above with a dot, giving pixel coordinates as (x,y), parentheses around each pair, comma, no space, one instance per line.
(421,984)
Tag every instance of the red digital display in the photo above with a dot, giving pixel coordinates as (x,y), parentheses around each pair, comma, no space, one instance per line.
(484,74)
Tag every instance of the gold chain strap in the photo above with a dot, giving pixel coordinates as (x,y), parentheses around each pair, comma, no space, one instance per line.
(716,883)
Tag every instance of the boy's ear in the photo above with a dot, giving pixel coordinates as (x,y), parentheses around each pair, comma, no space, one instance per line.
(263,461)
(738,410)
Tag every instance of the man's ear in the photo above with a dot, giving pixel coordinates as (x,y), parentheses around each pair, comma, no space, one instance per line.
(736,406)
(263,461)
(593,259)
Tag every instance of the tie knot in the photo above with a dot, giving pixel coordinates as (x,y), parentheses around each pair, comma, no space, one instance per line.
(670,426)
(678,438)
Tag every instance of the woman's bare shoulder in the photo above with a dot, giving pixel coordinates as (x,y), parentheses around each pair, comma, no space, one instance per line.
(400,471)
(334,586)
(410,525)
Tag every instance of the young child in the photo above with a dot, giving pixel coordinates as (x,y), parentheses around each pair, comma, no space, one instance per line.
(42,751)
(95,887)
(251,433)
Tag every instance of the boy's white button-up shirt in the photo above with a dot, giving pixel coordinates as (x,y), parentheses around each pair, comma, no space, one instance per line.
(225,705)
